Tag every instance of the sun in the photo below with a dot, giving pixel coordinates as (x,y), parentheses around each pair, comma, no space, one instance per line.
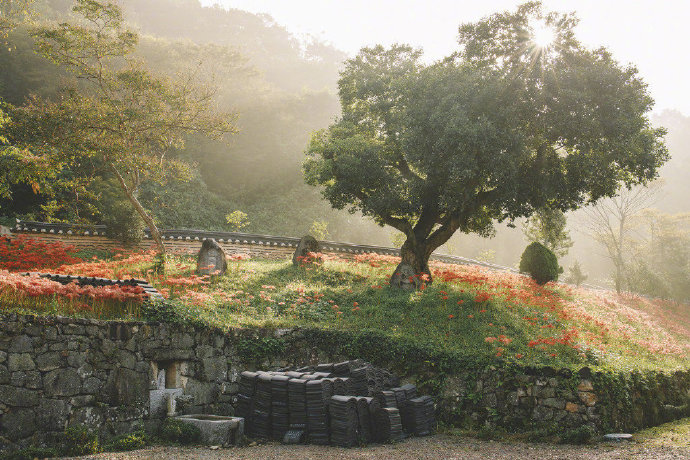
(542,35)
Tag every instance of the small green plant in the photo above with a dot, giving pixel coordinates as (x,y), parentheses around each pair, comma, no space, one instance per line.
(488,256)
(123,223)
(257,350)
(176,431)
(319,229)
(487,433)
(129,441)
(79,440)
(543,434)
(159,311)
(580,435)
(540,263)
(237,220)
(575,274)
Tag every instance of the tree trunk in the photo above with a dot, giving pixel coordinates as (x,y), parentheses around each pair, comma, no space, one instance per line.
(155,234)
(413,270)
(417,256)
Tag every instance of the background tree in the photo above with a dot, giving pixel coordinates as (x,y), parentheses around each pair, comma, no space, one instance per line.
(319,229)
(501,128)
(612,223)
(237,220)
(282,89)
(575,274)
(660,260)
(549,227)
(120,114)
(12,13)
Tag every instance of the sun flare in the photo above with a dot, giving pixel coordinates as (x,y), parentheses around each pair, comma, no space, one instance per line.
(543,35)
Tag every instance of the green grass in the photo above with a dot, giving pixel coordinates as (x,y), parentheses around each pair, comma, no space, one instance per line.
(609,331)
(672,434)
(466,311)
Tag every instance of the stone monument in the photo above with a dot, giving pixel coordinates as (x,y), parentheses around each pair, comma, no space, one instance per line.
(404,278)
(306,245)
(211,259)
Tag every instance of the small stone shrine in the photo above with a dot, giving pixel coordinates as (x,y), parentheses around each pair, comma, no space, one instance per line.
(211,259)
(404,277)
(344,404)
(306,245)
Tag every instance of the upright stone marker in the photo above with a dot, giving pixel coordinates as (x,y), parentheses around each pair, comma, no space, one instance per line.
(404,278)
(306,245)
(211,259)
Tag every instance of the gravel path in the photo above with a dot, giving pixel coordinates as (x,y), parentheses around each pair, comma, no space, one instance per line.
(433,447)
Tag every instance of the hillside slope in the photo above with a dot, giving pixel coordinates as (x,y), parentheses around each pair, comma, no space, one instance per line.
(467,311)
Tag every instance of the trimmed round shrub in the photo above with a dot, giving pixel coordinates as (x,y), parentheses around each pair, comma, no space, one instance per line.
(540,263)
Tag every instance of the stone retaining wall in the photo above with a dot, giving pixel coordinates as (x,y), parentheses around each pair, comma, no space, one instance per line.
(111,376)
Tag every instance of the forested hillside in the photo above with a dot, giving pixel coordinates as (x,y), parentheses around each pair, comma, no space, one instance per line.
(281,89)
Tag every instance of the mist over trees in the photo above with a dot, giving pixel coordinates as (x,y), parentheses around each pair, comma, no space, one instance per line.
(281,88)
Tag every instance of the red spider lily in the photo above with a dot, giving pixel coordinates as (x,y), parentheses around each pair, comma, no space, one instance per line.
(23,253)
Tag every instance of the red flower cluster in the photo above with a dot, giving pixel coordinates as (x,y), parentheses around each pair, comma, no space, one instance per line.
(22,253)
(122,266)
(15,289)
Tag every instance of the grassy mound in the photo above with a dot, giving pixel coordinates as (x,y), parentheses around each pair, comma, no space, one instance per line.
(467,310)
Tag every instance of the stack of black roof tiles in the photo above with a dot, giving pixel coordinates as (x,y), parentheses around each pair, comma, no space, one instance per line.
(421,419)
(279,406)
(297,403)
(344,421)
(318,393)
(344,404)
(261,415)
(245,399)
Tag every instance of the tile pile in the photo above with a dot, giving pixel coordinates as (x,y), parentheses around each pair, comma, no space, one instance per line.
(344,404)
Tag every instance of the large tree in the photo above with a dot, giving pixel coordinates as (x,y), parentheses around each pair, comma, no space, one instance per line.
(515,121)
(116,114)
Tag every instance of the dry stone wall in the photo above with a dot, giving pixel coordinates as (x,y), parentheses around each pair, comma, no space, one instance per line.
(114,376)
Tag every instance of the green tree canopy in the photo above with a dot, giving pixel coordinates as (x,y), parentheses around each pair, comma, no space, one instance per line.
(120,116)
(493,132)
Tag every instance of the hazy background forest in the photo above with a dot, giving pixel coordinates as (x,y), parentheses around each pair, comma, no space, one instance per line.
(282,89)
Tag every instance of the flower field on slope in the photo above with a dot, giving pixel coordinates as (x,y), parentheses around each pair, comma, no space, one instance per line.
(467,309)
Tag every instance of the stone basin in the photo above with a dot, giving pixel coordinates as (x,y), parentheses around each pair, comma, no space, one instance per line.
(216,430)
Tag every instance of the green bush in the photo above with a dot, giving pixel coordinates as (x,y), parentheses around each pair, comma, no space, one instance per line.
(540,263)
(259,349)
(173,430)
(129,441)
(79,440)
(580,435)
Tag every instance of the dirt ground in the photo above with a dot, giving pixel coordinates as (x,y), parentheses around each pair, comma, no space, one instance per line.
(440,446)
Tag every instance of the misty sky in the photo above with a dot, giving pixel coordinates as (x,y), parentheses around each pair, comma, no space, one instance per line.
(651,34)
